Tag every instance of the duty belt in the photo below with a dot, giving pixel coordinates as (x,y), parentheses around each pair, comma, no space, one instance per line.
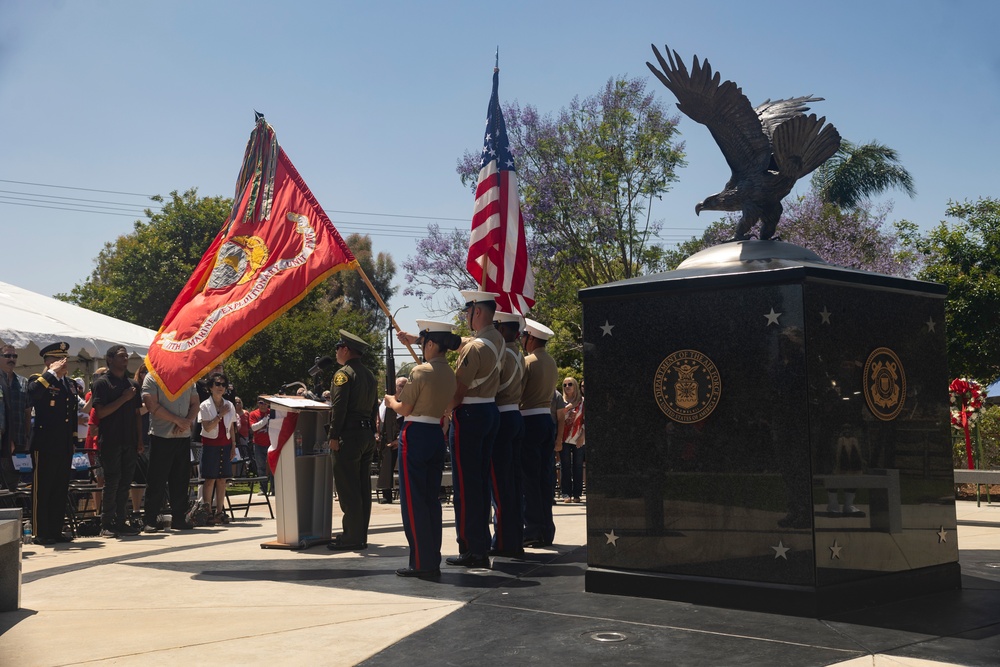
(359,423)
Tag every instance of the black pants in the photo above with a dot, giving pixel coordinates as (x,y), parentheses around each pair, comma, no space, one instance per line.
(352,476)
(537,470)
(119,467)
(8,477)
(50,491)
(169,467)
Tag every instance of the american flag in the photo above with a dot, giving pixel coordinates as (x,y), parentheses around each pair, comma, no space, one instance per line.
(497,237)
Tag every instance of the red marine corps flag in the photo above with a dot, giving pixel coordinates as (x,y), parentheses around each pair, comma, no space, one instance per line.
(276,245)
(498,254)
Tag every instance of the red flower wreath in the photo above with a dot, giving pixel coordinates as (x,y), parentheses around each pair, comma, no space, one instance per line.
(967,397)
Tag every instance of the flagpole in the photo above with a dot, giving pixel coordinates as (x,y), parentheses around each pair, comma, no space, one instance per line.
(385,309)
(484,263)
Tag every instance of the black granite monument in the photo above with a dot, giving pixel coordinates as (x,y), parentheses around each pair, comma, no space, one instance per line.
(768,431)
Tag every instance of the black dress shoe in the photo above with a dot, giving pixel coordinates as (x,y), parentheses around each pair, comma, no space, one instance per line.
(44,541)
(339,545)
(468,560)
(63,538)
(423,574)
(507,553)
(385,501)
(532,543)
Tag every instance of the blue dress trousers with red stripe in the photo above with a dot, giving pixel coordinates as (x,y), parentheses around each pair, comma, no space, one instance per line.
(473,431)
(421,462)
(505,483)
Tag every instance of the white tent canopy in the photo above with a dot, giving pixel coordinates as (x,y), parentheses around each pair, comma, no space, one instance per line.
(30,321)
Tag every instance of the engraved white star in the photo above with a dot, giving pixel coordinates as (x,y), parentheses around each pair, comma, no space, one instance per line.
(825,314)
(835,550)
(780,551)
(612,538)
(942,535)
(930,324)
(772,317)
(606,328)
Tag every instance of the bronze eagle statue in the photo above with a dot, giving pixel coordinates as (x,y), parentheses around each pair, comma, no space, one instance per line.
(768,148)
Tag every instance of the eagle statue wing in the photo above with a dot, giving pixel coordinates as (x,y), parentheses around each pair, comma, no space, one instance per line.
(721,107)
(773,114)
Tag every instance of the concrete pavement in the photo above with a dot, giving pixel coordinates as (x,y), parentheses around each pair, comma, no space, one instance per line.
(213,596)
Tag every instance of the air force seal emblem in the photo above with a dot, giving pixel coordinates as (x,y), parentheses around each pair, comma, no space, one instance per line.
(687,386)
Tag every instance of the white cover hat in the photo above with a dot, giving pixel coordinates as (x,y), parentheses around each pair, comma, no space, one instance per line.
(434,326)
(501,316)
(473,297)
(537,329)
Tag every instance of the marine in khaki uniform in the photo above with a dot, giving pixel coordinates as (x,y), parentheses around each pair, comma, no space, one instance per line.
(505,466)
(474,426)
(423,402)
(540,378)
(353,408)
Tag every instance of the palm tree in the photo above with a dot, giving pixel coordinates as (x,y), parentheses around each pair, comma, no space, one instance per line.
(859,172)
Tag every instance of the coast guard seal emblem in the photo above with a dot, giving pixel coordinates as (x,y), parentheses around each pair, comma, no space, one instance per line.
(687,386)
(884,384)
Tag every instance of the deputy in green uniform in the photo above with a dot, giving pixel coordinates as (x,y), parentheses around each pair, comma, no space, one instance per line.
(353,408)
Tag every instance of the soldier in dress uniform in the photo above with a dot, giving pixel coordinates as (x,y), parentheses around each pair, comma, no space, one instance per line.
(353,409)
(52,443)
(422,403)
(505,467)
(540,377)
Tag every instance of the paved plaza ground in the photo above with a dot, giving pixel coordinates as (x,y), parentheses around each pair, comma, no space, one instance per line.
(213,596)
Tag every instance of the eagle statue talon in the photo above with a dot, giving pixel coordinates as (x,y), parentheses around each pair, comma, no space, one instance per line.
(768,148)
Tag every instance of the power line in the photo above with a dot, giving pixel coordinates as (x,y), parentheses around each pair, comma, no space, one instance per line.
(75,210)
(117,207)
(67,187)
(95,201)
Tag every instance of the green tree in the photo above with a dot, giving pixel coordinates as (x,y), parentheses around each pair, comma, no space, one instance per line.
(965,256)
(348,286)
(137,276)
(859,172)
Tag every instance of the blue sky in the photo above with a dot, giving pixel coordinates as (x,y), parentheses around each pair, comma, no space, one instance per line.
(374,102)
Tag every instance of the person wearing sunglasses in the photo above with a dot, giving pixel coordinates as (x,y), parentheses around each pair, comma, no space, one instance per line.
(218,447)
(17,413)
(353,409)
(574,440)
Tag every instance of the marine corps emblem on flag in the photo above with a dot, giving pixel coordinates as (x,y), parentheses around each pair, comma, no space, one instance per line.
(687,386)
(884,384)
